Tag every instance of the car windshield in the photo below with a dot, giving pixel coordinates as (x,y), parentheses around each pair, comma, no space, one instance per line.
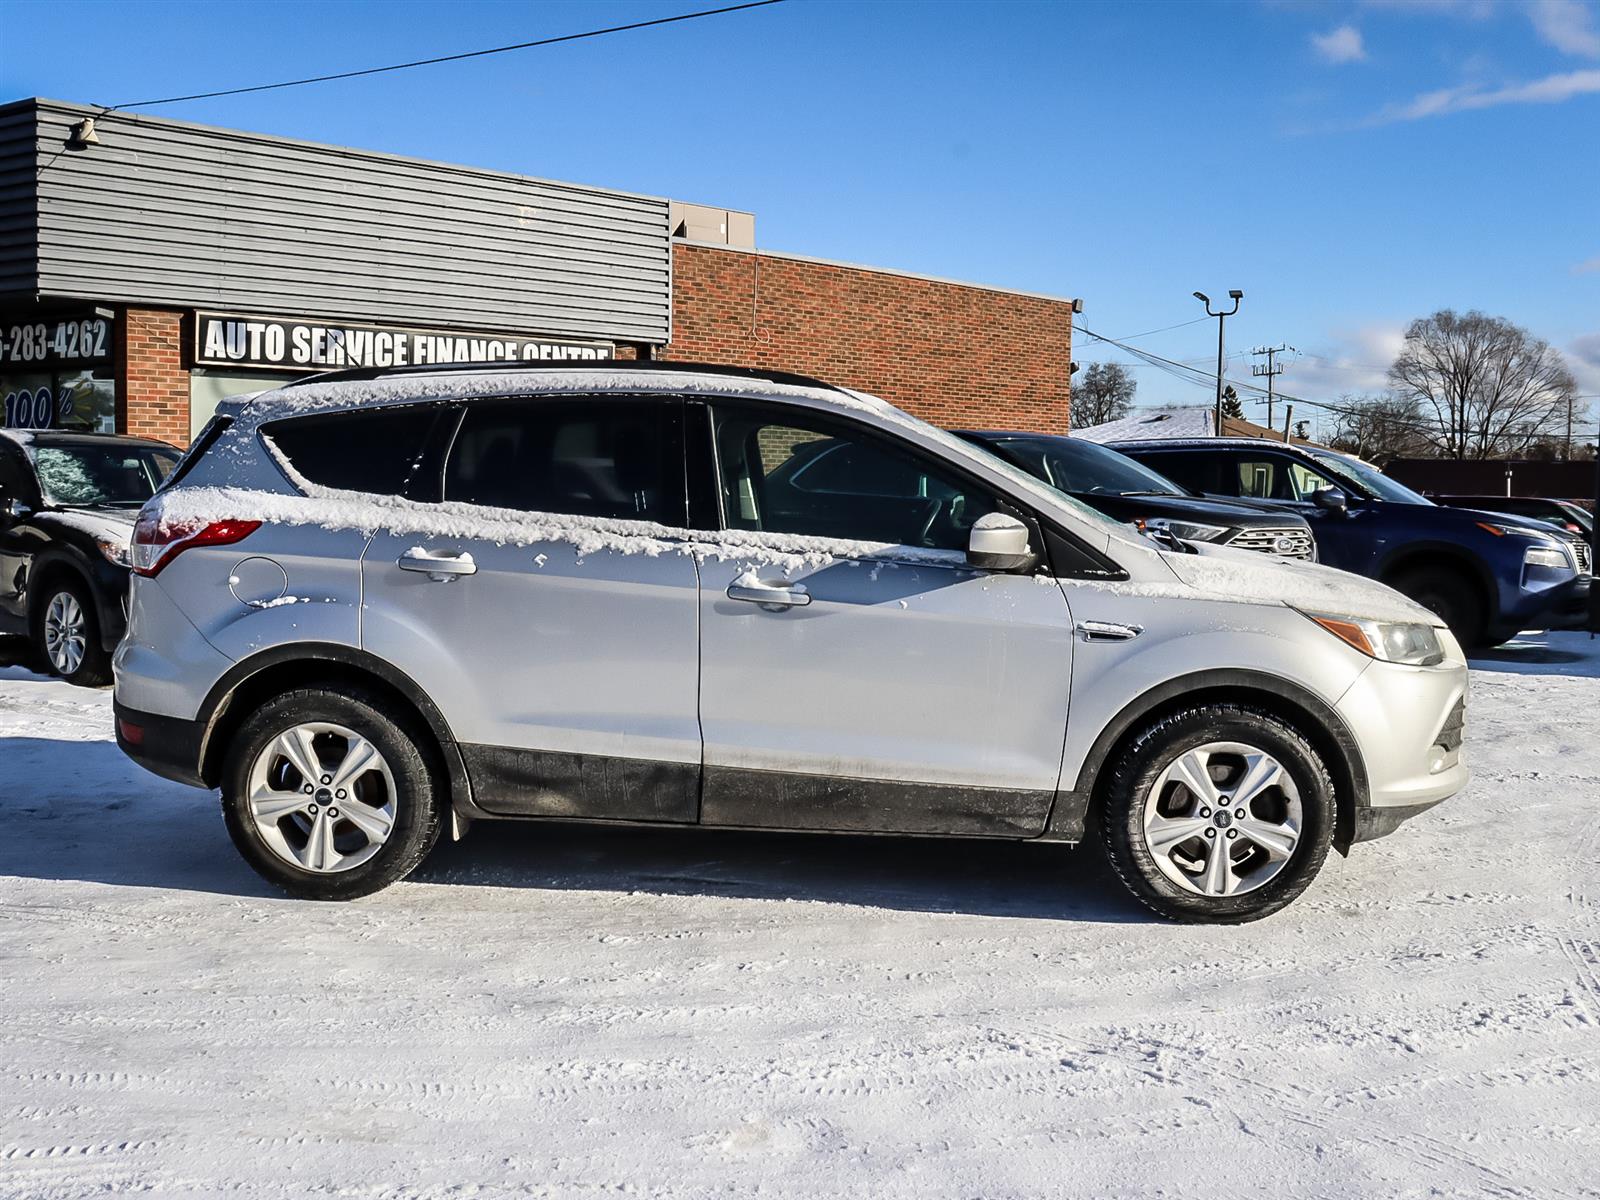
(110,473)
(1350,470)
(1074,465)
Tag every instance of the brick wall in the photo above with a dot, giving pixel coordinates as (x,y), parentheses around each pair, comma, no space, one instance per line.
(953,354)
(153,396)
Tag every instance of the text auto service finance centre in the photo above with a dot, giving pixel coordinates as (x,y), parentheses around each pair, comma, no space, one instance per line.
(160,266)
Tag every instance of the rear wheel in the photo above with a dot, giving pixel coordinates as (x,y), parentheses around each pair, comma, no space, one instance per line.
(1219,813)
(1451,596)
(329,796)
(67,633)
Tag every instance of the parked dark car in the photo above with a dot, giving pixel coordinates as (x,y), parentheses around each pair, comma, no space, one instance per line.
(1488,575)
(1564,514)
(67,507)
(1124,490)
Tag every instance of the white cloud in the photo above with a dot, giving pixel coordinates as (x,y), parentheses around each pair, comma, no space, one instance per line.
(1583,356)
(1552,89)
(1341,45)
(1568,25)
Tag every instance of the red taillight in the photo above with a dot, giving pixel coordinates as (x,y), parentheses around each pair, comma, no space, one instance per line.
(156,542)
(131,733)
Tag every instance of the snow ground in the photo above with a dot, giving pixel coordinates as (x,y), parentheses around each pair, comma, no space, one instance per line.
(563,1012)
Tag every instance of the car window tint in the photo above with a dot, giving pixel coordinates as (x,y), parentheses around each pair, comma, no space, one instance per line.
(590,458)
(786,473)
(1197,472)
(14,483)
(365,451)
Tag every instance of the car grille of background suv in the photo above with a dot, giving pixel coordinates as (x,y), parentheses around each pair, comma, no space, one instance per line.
(1288,543)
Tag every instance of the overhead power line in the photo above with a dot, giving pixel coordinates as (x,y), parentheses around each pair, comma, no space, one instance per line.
(1207,379)
(444,58)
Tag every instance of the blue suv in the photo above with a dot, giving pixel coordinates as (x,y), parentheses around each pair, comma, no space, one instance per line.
(1488,575)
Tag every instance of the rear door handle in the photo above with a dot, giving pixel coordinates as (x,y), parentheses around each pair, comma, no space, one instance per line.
(769,595)
(441,568)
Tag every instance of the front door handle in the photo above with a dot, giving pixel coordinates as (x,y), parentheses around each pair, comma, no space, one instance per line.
(768,595)
(441,568)
(1108,631)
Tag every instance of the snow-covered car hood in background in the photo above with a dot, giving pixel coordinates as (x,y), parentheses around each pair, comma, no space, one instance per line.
(1249,576)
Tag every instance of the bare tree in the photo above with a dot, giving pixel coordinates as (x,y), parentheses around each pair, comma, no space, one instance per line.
(1104,392)
(1485,388)
(1381,428)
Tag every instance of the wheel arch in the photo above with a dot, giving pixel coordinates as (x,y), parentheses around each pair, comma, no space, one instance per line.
(1308,713)
(1421,555)
(68,562)
(253,680)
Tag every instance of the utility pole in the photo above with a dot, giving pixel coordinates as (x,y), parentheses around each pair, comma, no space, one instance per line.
(1235,295)
(1271,370)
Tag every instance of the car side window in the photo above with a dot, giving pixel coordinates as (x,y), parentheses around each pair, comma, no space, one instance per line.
(371,450)
(14,481)
(1197,472)
(591,458)
(788,472)
(1306,481)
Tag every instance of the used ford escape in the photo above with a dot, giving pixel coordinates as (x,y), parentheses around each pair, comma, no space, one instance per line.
(379,605)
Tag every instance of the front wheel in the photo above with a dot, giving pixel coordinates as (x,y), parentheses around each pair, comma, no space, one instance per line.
(1449,595)
(329,795)
(1218,813)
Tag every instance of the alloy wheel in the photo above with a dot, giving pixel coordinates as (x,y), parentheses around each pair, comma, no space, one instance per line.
(66,634)
(322,797)
(1223,819)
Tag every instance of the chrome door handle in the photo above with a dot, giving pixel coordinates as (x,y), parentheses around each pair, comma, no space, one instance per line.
(1108,631)
(770,595)
(441,568)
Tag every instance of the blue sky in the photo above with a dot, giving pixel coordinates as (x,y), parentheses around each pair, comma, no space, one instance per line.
(1350,165)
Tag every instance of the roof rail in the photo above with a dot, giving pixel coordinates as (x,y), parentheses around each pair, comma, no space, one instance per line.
(643,366)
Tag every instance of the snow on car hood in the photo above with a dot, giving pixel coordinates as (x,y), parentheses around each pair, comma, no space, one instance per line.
(1250,577)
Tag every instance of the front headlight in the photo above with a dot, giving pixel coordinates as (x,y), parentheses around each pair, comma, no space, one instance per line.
(116,553)
(1189,531)
(1548,556)
(1414,645)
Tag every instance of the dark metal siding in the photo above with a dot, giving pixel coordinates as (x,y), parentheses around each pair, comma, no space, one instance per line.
(19,222)
(168,213)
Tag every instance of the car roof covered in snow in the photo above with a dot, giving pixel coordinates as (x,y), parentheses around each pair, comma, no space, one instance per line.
(361,388)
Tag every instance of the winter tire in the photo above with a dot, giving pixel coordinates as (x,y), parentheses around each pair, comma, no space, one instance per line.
(329,795)
(66,630)
(1450,596)
(1220,813)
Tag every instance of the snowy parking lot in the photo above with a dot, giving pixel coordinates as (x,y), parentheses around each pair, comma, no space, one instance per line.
(568,1011)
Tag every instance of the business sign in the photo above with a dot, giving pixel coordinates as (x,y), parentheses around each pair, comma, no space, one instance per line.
(226,340)
(51,343)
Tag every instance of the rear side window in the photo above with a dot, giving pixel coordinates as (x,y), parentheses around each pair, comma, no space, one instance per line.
(590,458)
(365,451)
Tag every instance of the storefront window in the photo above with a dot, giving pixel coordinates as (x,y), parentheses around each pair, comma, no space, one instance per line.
(83,399)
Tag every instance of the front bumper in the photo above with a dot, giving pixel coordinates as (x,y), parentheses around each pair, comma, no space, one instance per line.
(1562,604)
(168,746)
(1409,723)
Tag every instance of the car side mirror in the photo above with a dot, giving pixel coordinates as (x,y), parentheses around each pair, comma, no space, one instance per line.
(999,542)
(1330,499)
(14,510)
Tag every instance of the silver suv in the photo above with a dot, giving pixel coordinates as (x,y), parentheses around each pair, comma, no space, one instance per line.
(380,605)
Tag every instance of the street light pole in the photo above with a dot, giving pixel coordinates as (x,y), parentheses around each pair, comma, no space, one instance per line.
(1235,295)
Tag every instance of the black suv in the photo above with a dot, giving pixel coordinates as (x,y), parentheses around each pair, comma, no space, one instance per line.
(1126,490)
(67,506)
